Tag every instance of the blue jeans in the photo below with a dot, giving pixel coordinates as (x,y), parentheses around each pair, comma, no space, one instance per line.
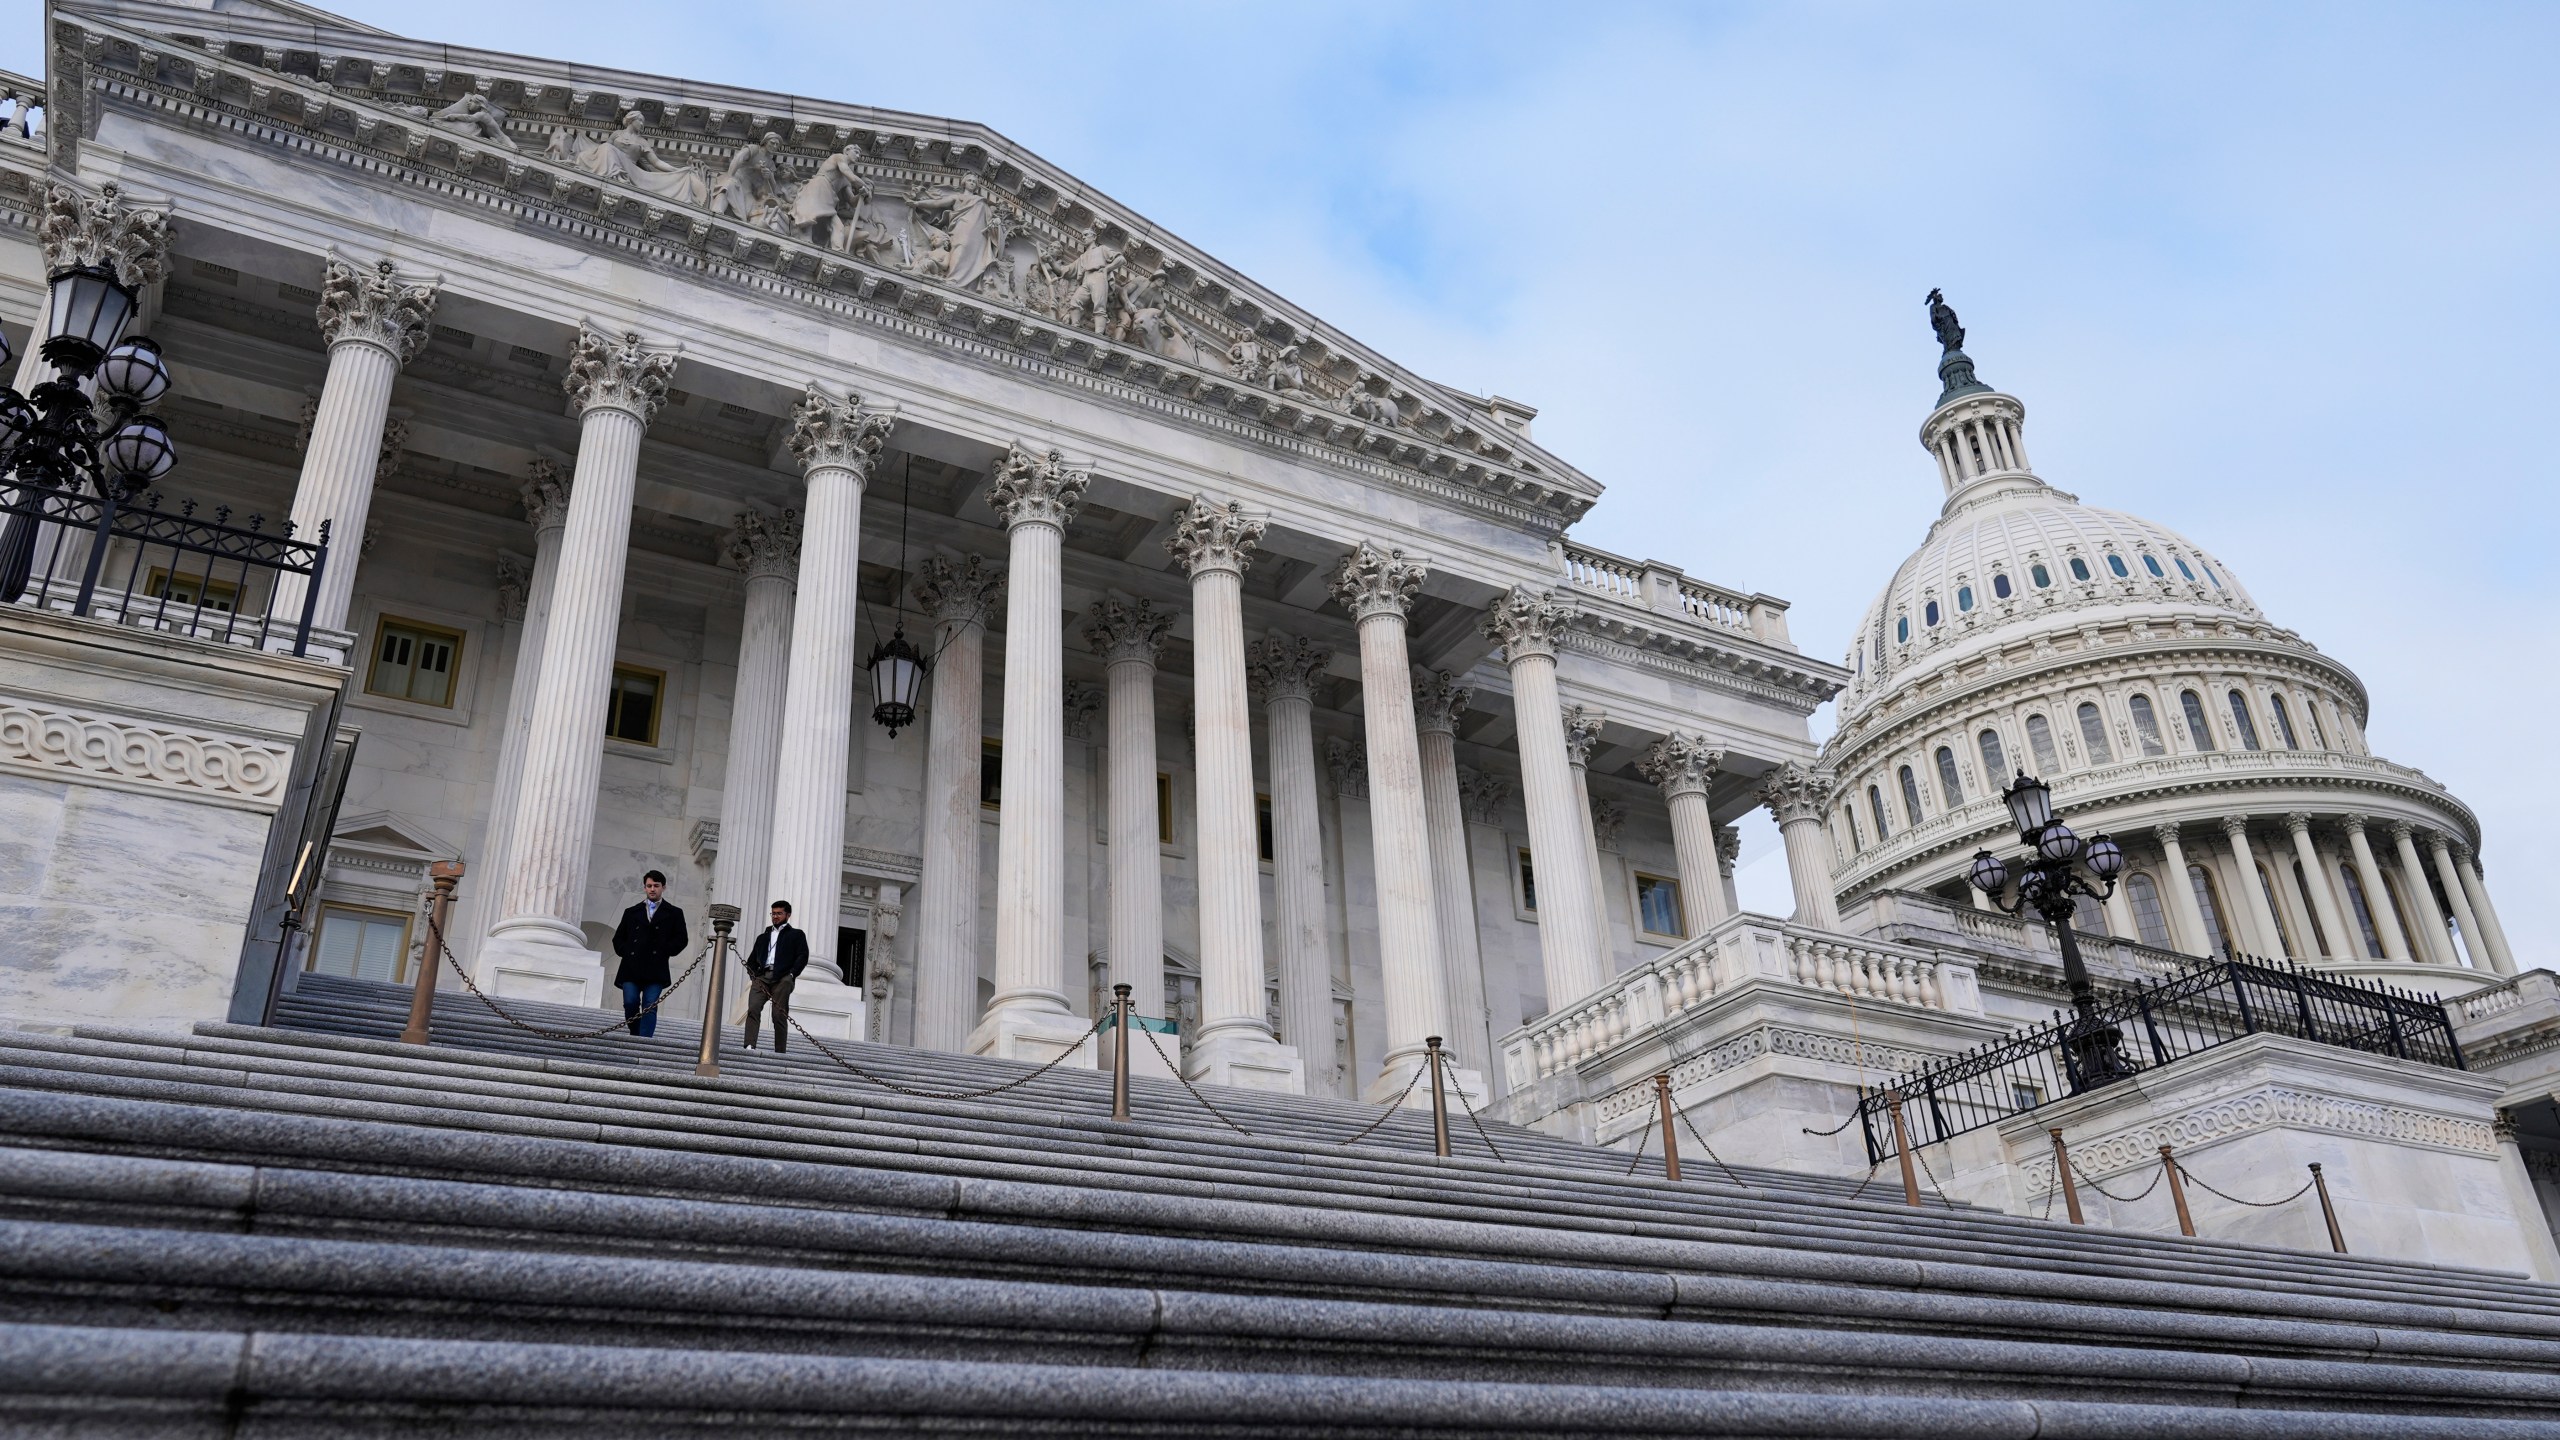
(644,1023)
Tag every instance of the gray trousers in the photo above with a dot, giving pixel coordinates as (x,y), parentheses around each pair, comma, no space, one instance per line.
(780,993)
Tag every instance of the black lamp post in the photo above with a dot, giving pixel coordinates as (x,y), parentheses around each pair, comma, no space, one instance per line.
(53,440)
(2050,882)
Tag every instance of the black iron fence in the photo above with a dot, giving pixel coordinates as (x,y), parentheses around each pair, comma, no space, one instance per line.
(140,563)
(2160,1022)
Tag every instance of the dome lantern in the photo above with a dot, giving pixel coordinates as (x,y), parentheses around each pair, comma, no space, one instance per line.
(1974,433)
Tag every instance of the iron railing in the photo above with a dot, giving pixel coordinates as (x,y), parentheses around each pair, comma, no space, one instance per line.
(182,572)
(2160,1022)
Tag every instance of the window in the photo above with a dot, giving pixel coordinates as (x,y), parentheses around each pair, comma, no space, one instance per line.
(190,590)
(2217,930)
(2197,728)
(1947,781)
(1528,881)
(2088,916)
(1902,629)
(365,944)
(2040,575)
(631,713)
(2152,564)
(2284,723)
(2148,917)
(1995,762)
(1857,837)
(2216,579)
(2400,911)
(1929,612)
(2079,568)
(2311,717)
(1261,827)
(1875,805)
(410,661)
(2093,734)
(2040,741)
(2025,1094)
(1164,808)
(1910,795)
(2146,724)
(2115,567)
(2363,911)
(2240,717)
(2284,933)
(1964,598)
(852,946)
(991,776)
(1658,905)
(2183,570)
(2311,912)
(2000,587)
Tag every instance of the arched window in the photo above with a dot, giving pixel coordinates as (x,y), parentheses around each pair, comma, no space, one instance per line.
(1995,761)
(2115,567)
(1857,837)
(2208,904)
(2284,723)
(2311,717)
(1964,598)
(2363,909)
(2146,724)
(1875,805)
(2088,916)
(2152,564)
(2040,575)
(2183,570)
(2216,579)
(1947,782)
(2079,568)
(2198,728)
(2000,587)
(2040,740)
(1929,612)
(2147,914)
(1910,795)
(2093,734)
(2275,907)
(2240,717)
(1902,629)
(2311,911)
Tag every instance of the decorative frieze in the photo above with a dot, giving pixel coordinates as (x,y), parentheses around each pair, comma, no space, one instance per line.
(1082,701)
(1032,488)
(1608,817)
(61,743)
(827,431)
(1681,764)
(962,591)
(2271,1107)
(1377,580)
(360,306)
(617,372)
(1210,536)
(763,547)
(1285,667)
(103,230)
(1119,630)
(1728,849)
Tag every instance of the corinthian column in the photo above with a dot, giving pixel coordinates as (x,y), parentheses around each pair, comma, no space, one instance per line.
(2434,943)
(1581,732)
(2475,944)
(1030,1018)
(957,595)
(536,949)
(2377,896)
(374,323)
(1526,626)
(2323,896)
(1685,767)
(1285,671)
(2260,906)
(1377,586)
(546,507)
(1129,635)
(1438,701)
(2185,916)
(767,552)
(1798,797)
(838,443)
(2478,891)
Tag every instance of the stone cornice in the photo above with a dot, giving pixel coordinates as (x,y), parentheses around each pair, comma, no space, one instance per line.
(1799,689)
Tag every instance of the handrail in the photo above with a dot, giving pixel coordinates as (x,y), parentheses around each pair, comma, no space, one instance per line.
(213,571)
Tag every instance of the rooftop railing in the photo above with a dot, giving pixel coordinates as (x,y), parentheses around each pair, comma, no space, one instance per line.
(1663,589)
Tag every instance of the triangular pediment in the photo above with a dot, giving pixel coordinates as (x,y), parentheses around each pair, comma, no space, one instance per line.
(386,834)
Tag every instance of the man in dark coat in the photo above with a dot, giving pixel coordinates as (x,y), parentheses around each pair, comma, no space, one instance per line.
(651,935)
(774,964)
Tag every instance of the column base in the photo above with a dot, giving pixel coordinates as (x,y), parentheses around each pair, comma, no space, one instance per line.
(1453,1079)
(1014,1032)
(541,960)
(1246,1060)
(1143,1059)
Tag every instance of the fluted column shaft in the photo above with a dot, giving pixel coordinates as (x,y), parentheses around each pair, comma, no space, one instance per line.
(1439,704)
(1685,767)
(1797,796)
(1128,636)
(957,595)
(2435,944)
(546,501)
(1286,670)
(1214,541)
(2323,897)
(2253,888)
(767,552)
(2185,916)
(2475,946)
(1581,732)
(2490,930)
(372,323)
(1526,625)
(2377,896)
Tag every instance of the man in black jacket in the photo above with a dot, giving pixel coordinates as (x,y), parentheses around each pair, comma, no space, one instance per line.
(774,964)
(651,934)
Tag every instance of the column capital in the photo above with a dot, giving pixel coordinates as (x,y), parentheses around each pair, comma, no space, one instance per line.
(1285,667)
(1208,536)
(617,372)
(374,306)
(1681,764)
(2461,852)
(827,432)
(1524,622)
(1797,792)
(1608,817)
(764,547)
(1081,702)
(2235,825)
(2299,822)
(1127,630)
(1728,848)
(1037,488)
(2167,835)
(2352,822)
(962,592)
(515,583)
(102,230)
(2403,832)
(546,495)
(1581,732)
(1375,580)
(1481,795)
(1438,701)
(1350,766)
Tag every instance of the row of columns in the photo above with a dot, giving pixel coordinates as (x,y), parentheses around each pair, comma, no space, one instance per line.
(2432,944)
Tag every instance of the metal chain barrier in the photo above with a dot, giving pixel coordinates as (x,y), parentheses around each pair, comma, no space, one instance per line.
(1644,1137)
(1479,1124)
(2190,1176)
(1158,1046)
(1393,1107)
(2110,1194)
(1692,1128)
(1921,1154)
(532,1029)
(1870,1180)
(2051,1186)
(886,1083)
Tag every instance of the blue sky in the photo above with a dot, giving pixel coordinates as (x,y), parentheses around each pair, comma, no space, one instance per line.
(2280,277)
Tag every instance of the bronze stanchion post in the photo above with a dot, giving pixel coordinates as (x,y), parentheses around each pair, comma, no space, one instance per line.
(422,998)
(2328,1212)
(1119,1052)
(1439,1101)
(1670,1146)
(724,918)
(1902,1145)
(2177,1192)
(2062,1172)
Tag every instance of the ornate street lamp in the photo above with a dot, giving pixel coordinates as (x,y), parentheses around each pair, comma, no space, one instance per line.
(2050,881)
(54,439)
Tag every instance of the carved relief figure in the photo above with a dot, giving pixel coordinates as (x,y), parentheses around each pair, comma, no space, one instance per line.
(1368,406)
(1088,279)
(1148,322)
(629,157)
(825,210)
(967,244)
(1246,359)
(750,190)
(1287,375)
(474,115)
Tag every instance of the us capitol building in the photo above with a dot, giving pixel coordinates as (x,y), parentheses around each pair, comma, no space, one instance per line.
(667,438)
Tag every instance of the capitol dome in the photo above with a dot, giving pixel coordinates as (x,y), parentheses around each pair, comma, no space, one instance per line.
(2129,668)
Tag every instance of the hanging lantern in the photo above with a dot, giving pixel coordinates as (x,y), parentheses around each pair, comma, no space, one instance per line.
(897,673)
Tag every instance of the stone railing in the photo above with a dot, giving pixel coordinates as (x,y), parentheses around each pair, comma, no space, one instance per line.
(1924,920)
(2515,994)
(1664,590)
(22,109)
(1744,949)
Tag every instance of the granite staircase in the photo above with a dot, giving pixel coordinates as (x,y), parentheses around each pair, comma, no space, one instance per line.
(313,1230)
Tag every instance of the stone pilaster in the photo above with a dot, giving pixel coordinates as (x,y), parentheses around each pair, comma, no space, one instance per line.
(1285,671)
(958,596)
(1526,624)
(1031,1017)
(2323,896)
(1582,726)
(2186,918)
(2433,943)
(1438,701)
(1129,635)
(1684,766)
(2258,906)
(536,949)
(1798,797)
(2377,896)
(2502,958)
(766,550)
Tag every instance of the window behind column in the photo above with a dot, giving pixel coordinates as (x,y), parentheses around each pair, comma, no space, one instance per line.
(2209,904)
(1658,906)
(2363,907)
(2148,917)
(990,774)
(632,713)
(414,662)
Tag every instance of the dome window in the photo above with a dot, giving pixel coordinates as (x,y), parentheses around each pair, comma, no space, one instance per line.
(1875,806)
(2000,587)
(2093,735)
(1947,781)
(2079,568)
(2284,722)
(2197,727)
(1930,612)
(1910,795)
(2115,566)
(2040,575)
(2146,724)
(1995,761)
(2152,564)
(2040,740)
(2183,570)
(2240,717)
(1902,629)
(2216,579)
(1964,598)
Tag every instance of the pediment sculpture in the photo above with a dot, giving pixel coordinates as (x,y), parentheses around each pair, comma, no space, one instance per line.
(628,156)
